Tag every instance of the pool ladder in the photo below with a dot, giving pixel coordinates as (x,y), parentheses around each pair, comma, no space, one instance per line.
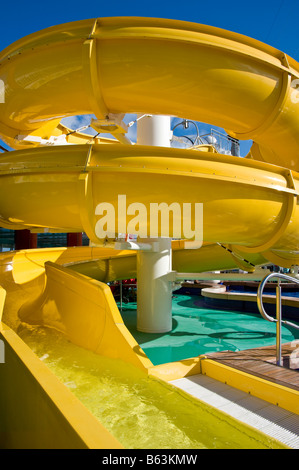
(278,318)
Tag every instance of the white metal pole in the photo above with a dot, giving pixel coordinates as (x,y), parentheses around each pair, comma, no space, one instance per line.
(154,288)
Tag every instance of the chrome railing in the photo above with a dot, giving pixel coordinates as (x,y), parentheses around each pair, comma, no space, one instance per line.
(278,318)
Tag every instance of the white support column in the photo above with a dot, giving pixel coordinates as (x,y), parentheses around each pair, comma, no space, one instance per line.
(154,130)
(154,289)
(154,285)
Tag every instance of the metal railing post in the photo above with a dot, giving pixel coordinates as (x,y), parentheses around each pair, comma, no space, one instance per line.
(278,324)
(278,318)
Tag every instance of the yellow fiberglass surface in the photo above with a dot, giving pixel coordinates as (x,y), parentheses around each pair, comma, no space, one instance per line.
(112,66)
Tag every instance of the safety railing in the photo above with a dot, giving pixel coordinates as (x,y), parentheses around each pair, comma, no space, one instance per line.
(278,318)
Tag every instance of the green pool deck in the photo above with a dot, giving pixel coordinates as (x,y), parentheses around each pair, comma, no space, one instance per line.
(197,329)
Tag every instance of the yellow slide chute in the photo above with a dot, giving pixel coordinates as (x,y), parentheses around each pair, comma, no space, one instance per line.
(120,65)
(108,67)
(250,205)
(158,66)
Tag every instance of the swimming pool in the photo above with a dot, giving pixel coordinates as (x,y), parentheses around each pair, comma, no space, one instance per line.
(201,330)
(284,291)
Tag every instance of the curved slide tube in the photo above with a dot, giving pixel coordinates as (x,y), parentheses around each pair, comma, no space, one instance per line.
(249,206)
(118,65)
(157,66)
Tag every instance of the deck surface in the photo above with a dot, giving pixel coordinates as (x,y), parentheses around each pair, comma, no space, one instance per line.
(265,417)
(268,418)
(261,362)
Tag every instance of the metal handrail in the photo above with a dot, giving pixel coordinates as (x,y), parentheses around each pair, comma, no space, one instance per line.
(278,318)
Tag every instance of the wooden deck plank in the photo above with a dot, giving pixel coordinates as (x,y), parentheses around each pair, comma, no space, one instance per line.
(261,362)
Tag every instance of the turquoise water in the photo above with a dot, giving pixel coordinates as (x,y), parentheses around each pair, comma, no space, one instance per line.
(284,292)
(199,330)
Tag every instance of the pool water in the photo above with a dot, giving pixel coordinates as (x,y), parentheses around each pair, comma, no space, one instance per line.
(142,413)
(284,292)
(199,330)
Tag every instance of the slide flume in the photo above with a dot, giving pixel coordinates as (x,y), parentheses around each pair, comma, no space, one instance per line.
(109,67)
(120,65)
(158,66)
(247,205)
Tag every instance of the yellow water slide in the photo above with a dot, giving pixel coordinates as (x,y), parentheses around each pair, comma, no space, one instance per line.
(120,65)
(112,66)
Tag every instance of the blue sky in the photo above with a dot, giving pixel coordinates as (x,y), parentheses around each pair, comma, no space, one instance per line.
(274,22)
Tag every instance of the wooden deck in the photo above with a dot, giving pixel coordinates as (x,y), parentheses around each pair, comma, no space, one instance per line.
(261,362)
